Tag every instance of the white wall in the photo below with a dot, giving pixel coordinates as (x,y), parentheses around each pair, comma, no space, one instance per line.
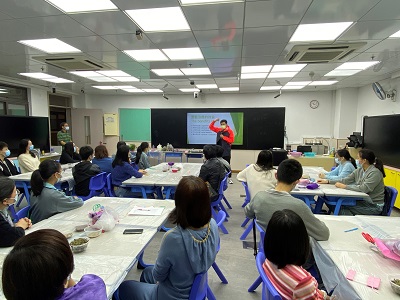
(38,102)
(345,112)
(301,120)
(370,105)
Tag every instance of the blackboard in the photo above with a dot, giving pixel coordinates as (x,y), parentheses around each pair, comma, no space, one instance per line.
(263,128)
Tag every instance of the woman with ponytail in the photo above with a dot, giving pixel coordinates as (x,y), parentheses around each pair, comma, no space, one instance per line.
(367,178)
(141,159)
(346,166)
(46,200)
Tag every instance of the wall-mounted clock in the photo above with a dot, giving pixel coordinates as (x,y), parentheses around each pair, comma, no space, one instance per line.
(314,104)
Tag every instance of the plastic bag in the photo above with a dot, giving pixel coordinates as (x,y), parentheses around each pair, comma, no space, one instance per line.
(108,219)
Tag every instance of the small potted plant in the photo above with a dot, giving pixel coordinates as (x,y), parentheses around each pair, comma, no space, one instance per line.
(132,147)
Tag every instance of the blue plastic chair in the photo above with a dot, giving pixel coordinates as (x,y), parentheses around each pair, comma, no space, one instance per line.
(225,187)
(96,186)
(220,219)
(22,213)
(217,204)
(169,192)
(394,193)
(220,222)
(268,290)
(109,186)
(246,220)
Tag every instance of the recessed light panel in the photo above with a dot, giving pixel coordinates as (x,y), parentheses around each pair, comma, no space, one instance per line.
(229,89)
(146,55)
(50,46)
(159,19)
(191,90)
(293,87)
(59,80)
(183,53)
(85,74)
(133,90)
(253,75)
(38,75)
(288,68)
(395,35)
(114,73)
(196,71)
(357,65)
(282,74)
(256,69)
(126,79)
(298,83)
(207,86)
(152,90)
(319,32)
(271,88)
(82,6)
(201,2)
(342,72)
(105,87)
(102,79)
(3,92)
(167,72)
(323,82)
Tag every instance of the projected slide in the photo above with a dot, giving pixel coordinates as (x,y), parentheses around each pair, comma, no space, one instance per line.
(199,133)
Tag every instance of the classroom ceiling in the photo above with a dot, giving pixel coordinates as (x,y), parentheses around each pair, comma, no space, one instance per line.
(229,35)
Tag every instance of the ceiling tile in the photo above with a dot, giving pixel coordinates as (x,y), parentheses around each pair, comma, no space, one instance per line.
(4,16)
(275,12)
(261,60)
(384,10)
(222,37)
(143,4)
(111,56)
(371,30)
(15,30)
(263,50)
(163,40)
(268,35)
(128,41)
(109,22)
(385,45)
(222,63)
(337,11)
(217,16)
(90,43)
(14,48)
(26,9)
(222,52)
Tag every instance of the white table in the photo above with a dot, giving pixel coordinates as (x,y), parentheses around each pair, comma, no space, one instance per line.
(349,250)
(112,254)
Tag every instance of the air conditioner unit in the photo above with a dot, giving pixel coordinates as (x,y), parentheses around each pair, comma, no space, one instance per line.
(309,54)
(73,62)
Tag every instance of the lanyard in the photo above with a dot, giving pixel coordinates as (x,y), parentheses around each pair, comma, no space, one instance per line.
(6,217)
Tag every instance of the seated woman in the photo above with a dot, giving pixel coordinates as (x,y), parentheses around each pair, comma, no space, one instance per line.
(40,267)
(285,257)
(70,154)
(367,178)
(141,159)
(346,166)
(27,160)
(212,171)
(46,200)
(261,175)
(188,249)
(102,159)
(10,232)
(123,170)
(7,167)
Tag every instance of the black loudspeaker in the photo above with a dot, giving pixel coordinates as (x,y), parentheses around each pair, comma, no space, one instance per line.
(278,156)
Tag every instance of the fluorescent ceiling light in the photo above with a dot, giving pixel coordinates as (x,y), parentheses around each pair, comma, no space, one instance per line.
(38,75)
(102,79)
(79,6)
(105,87)
(395,35)
(183,53)
(357,65)
(167,72)
(323,82)
(133,90)
(114,73)
(146,55)
(282,74)
(125,87)
(152,90)
(256,69)
(271,88)
(159,19)
(3,92)
(298,83)
(288,68)
(200,2)
(191,90)
(342,72)
(207,86)
(125,79)
(229,89)
(85,74)
(319,32)
(50,46)
(253,75)
(196,71)
(293,87)
(60,80)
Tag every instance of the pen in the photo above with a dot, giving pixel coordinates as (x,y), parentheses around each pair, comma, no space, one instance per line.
(352,229)
(143,209)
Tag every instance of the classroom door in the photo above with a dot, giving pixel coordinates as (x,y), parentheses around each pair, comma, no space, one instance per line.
(87,126)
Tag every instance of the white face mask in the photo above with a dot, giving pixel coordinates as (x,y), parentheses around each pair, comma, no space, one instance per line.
(67,128)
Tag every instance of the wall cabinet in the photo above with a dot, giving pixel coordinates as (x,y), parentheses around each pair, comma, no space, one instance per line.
(393,179)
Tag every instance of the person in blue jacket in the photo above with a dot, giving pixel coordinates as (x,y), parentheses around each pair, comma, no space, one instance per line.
(102,159)
(346,166)
(186,250)
(123,170)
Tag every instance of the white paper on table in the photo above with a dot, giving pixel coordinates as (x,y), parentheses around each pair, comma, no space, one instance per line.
(147,210)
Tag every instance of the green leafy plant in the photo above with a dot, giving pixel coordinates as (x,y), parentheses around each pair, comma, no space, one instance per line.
(132,147)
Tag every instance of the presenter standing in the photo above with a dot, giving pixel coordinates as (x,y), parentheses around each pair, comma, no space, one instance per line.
(225,138)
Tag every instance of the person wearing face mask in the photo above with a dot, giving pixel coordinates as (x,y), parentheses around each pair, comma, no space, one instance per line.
(263,205)
(69,154)
(225,138)
(7,167)
(10,232)
(367,178)
(84,171)
(46,200)
(141,159)
(63,136)
(346,166)
(27,160)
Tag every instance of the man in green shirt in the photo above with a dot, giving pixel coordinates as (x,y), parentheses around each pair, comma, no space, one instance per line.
(63,135)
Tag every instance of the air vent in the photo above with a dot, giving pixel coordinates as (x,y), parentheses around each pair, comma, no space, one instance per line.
(321,53)
(73,62)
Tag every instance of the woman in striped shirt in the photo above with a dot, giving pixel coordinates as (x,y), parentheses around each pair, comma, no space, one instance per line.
(287,247)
